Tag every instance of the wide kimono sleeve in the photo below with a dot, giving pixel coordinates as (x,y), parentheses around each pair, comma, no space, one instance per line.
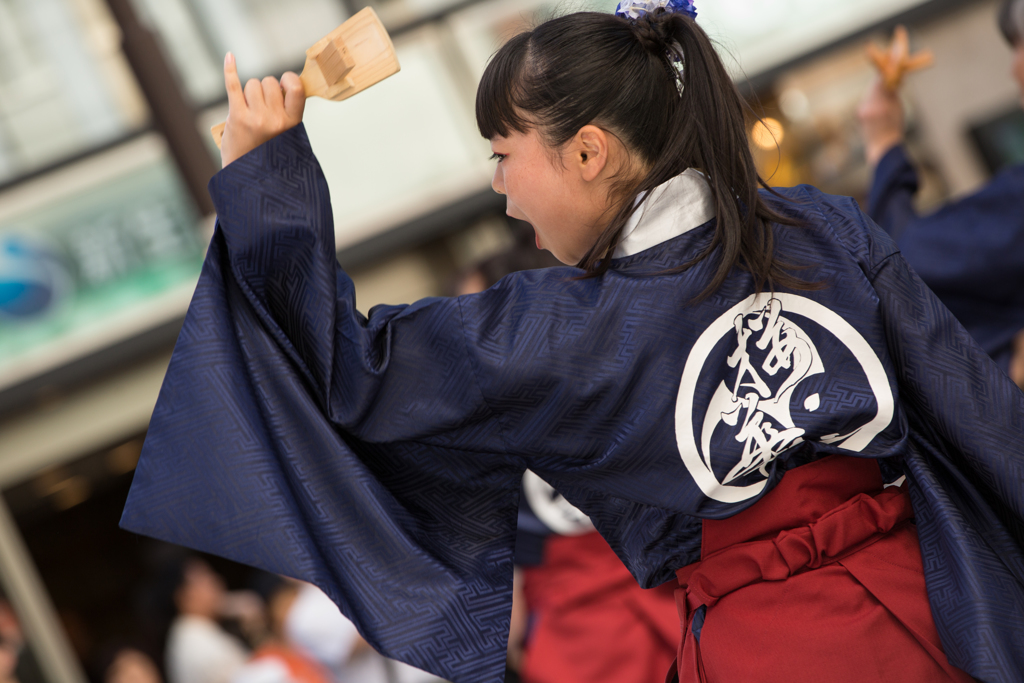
(965,465)
(296,435)
(970,252)
(891,198)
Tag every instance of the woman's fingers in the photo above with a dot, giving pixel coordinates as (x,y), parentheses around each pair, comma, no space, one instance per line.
(236,99)
(272,95)
(294,96)
(259,111)
(881,121)
(254,95)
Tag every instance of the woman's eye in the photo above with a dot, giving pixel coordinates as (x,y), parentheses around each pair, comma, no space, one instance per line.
(498,157)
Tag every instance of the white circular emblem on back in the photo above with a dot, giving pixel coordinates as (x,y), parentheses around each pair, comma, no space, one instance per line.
(753,405)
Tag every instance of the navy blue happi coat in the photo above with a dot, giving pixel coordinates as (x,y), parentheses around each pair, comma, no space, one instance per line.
(970,252)
(380,456)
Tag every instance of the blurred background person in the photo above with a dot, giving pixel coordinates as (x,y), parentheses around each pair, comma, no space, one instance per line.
(125,663)
(587,619)
(315,625)
(276,659)
(12,641)
(522,255)
(198,649)
(970,252)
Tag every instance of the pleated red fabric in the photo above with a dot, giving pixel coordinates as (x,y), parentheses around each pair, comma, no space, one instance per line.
(592,623)
(821,580)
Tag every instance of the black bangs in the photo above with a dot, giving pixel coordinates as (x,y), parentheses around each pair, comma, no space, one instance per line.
(496,110)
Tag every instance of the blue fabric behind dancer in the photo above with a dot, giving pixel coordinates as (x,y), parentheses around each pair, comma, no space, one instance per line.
(379,457)
(970,252)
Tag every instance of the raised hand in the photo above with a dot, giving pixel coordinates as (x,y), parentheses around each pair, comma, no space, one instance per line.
(261,111)
(881,121)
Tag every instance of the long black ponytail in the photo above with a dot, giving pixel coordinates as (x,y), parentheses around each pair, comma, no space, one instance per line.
(622,75)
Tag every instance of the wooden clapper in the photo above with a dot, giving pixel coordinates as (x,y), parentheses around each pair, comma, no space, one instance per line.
(896,62)
(346,61)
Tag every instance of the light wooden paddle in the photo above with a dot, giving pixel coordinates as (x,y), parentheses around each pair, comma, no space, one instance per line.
(896,62)
(346,61)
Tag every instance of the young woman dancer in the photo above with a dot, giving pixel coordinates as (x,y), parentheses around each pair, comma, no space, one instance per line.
(748,393)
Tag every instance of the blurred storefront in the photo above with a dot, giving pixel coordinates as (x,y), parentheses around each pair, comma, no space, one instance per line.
(102,227)
(965,119)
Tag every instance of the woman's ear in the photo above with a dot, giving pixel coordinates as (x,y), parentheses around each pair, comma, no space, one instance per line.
(590,149)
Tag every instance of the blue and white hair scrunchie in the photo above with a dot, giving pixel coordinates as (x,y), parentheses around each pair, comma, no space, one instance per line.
(634,9)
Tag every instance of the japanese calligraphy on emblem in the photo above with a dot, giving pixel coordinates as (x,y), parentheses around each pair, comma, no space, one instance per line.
(769,374)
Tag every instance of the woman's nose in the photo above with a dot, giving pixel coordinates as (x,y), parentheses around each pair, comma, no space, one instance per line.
(498,181)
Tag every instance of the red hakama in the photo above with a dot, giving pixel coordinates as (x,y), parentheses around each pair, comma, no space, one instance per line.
(592,623)
(821,580)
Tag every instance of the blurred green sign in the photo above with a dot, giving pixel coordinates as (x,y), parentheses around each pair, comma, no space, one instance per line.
(93,266)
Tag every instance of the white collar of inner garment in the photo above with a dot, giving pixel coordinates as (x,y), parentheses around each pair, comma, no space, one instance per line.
(676,206)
